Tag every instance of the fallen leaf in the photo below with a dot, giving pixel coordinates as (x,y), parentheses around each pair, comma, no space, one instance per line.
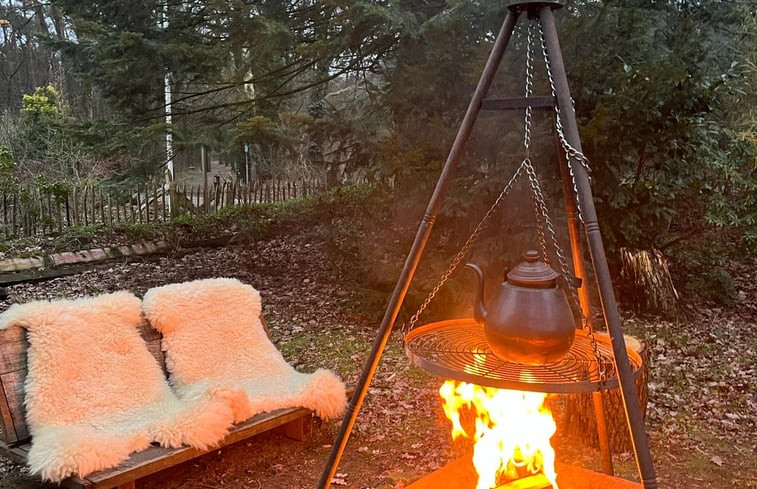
(339,480)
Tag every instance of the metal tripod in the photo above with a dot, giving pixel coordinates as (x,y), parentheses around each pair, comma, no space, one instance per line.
(579,184)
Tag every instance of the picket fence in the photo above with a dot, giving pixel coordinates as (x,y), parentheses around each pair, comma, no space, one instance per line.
(34,212)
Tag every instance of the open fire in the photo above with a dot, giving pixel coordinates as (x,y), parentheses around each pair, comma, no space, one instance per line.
(512,431)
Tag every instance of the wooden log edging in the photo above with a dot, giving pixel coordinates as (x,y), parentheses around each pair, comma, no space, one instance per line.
(11,265)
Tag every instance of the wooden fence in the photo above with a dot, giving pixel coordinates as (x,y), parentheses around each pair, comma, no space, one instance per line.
(32,212)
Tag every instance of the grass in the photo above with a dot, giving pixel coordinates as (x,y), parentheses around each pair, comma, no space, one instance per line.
(308,348)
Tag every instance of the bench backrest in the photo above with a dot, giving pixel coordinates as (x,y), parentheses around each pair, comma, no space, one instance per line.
(13,347)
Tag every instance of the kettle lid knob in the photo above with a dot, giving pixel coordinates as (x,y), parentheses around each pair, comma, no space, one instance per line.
(531,256)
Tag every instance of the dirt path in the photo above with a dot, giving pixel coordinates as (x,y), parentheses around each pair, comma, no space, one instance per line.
(701,416)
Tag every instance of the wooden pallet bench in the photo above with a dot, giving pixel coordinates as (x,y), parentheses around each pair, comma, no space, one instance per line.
(15,439)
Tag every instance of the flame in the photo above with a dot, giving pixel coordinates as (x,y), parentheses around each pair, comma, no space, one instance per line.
(479,362)
(513,430)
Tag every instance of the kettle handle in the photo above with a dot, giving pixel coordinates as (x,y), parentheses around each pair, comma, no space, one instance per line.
(479,309)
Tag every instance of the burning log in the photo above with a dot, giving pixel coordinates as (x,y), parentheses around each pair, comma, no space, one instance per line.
(537,481)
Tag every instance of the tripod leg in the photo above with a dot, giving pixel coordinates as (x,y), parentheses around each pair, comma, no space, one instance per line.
(421,238)
(579,270)
(596,247)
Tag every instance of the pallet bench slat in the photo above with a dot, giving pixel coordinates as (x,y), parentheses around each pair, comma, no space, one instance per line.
(155,458)
(12,386)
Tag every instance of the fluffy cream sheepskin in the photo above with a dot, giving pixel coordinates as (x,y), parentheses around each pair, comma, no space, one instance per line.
(94,393)
(212,335)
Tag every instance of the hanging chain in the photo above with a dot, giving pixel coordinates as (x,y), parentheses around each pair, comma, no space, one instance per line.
(572,153)
(532,26)
(529,86)
(544,212)
(469,244)
(564,269)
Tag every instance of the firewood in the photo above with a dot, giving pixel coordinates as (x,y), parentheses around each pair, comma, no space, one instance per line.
(537,481)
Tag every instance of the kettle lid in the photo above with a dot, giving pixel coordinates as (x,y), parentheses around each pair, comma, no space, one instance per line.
(533,273)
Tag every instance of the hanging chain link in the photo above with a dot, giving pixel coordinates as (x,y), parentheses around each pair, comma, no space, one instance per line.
(469,244)
(576,155)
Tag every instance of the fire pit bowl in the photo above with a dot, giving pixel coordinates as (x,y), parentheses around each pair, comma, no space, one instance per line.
(460,474)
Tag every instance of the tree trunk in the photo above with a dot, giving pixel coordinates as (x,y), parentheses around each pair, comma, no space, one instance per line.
(579,417)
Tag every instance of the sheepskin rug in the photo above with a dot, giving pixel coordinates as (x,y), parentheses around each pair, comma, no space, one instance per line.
(213,337)
(94,393)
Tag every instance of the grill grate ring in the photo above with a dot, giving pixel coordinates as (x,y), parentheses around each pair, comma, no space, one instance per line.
(457,349)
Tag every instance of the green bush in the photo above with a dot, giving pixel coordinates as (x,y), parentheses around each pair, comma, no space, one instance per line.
(715,285)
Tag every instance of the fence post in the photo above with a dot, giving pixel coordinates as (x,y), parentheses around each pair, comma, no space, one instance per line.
(73,207)
(217,190)
(84,206)
(94,209)
(13,214)
(53,215)
(111,201)
(205,197)
(110,209)
(102,205)
(169,191)
(148,191)
(68,208)
(5,214)
(139,205)
(131,208)
(50,213)
(156,215)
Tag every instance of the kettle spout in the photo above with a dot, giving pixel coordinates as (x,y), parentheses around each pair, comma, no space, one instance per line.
(479,309)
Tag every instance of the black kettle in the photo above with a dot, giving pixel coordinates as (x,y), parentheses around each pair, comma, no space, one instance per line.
(529,321)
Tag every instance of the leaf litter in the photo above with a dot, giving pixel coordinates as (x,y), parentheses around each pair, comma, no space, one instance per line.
(701,415)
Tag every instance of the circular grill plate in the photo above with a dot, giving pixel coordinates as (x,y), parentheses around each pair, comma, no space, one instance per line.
(457,349)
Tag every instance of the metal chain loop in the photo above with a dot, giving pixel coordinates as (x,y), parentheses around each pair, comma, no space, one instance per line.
(472,240)
(572,153)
